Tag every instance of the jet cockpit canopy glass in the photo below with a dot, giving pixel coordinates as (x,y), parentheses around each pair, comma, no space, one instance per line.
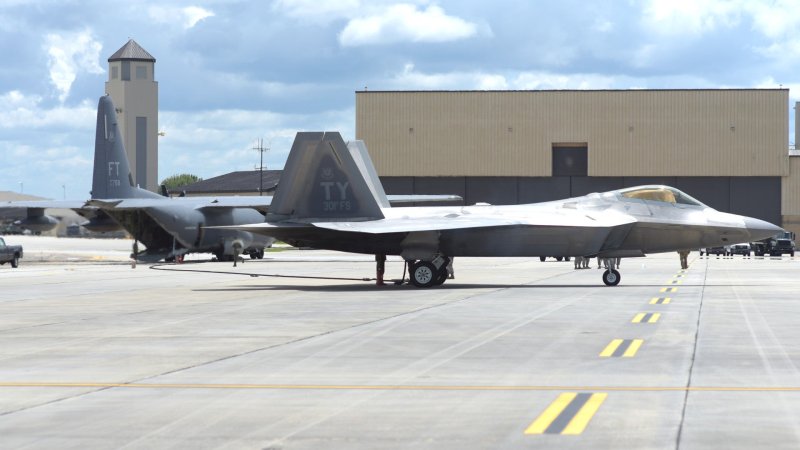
(661,194)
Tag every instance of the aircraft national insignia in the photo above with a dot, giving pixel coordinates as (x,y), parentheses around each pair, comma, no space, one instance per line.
(327,173)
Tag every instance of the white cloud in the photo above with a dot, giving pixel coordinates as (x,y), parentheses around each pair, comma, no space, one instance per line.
(68,55)
(187,16)
(603,25)
(405,23)
(320,11)
(677,17)
(778,21)
(547,81)
(20,111)
(776,18)
(410,79)
(223,140)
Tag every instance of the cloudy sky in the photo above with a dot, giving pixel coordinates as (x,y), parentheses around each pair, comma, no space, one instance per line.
(230,72)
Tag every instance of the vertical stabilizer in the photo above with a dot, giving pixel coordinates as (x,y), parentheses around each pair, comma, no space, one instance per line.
(112,174)
(323,182)
(359,151)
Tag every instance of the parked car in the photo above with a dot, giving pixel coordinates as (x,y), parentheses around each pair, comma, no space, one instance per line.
(10,253)
(740,249)
(714,251)
(558,258)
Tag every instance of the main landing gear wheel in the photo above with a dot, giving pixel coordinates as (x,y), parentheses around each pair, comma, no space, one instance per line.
(423,274)
(611,277)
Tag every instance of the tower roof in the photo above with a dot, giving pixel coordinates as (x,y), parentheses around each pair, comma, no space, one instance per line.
(131,51)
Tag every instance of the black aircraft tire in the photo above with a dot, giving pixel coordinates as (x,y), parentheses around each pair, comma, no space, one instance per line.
(423,274)
(611,277)
(542,258)
(559,258)
(253,255)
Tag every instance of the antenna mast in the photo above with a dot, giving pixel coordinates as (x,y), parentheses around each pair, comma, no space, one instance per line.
(261,149)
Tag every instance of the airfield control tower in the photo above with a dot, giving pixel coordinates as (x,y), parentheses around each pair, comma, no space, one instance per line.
(132,86)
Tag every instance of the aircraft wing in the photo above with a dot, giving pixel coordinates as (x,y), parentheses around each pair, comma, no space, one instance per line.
(44,204)
(405,224)
(541,218)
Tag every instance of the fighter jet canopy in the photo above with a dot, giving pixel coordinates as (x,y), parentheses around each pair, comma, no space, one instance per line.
(661,194)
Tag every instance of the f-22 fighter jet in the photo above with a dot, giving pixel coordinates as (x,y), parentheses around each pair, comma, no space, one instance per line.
(324,202)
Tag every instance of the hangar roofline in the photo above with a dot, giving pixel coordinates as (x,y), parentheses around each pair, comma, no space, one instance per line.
(570,90)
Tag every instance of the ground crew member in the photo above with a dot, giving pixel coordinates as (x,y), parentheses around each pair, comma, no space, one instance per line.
(684,254)
(380,268)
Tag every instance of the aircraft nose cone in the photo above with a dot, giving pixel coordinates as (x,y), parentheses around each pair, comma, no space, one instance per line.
(761,229)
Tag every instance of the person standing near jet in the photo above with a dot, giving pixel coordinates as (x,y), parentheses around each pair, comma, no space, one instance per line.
(684,254)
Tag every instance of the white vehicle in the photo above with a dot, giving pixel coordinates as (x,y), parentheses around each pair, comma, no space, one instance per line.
(740,249)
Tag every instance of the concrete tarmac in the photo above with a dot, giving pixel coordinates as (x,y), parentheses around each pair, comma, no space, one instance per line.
(297,352)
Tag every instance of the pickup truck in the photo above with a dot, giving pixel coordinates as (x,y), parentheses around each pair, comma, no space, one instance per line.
(10,253)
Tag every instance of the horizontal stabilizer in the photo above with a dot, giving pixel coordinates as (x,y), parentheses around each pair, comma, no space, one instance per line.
(261,203)
(423,198)
(63,204)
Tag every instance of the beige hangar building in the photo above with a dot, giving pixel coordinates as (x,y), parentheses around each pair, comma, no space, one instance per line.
(727,147)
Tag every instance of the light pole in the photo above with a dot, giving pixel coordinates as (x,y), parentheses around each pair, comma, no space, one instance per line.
(20,187)
(64,190)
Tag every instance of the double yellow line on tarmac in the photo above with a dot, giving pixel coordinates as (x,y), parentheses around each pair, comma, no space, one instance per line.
(568,414)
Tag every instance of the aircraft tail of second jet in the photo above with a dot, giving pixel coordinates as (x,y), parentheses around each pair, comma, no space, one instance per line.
(322,181)
(112,177)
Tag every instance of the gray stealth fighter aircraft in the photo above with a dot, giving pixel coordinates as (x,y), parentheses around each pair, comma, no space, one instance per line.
(324,202)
